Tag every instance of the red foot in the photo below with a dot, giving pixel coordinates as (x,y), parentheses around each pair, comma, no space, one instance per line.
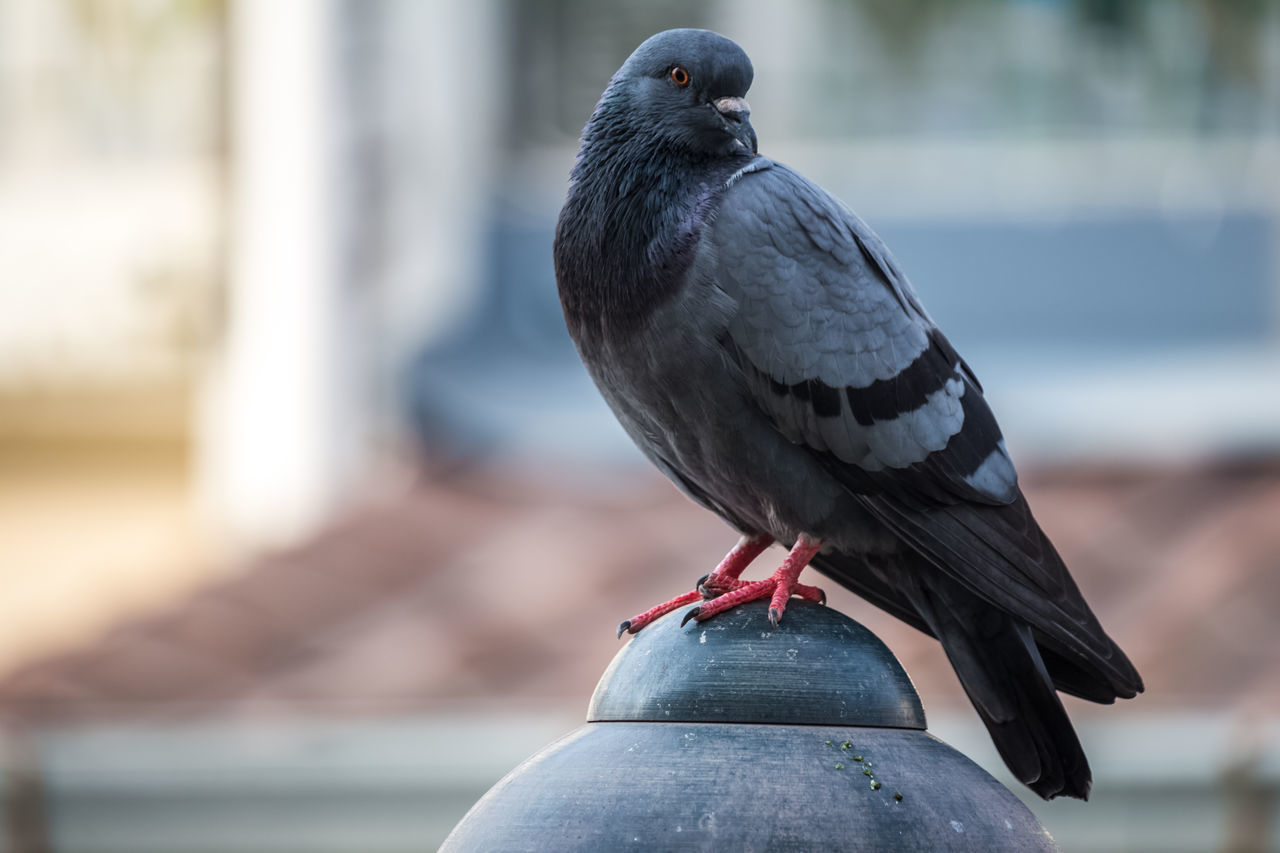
(733,564)
(779,586)
(709,592)
(726,591)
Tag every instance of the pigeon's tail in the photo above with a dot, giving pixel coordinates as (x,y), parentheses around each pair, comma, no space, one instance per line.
(1011,672)
(1000,667)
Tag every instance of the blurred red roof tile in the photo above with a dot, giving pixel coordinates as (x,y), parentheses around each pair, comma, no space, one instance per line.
(490,587)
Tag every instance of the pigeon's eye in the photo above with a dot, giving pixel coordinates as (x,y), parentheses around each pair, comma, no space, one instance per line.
(680,77)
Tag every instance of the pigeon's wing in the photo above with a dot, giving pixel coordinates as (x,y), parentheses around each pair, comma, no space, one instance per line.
(839,352)
(840,355)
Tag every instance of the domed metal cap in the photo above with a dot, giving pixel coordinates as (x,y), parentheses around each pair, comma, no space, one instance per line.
(818,667)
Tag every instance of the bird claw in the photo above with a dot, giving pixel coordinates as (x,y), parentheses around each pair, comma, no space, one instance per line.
(711,586)
(721,589)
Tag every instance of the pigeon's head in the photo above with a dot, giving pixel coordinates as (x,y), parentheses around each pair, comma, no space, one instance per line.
(686,88)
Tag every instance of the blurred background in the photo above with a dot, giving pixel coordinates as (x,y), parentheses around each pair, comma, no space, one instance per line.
(311,524)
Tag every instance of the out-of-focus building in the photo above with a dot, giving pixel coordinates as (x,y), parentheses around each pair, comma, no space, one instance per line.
(288,417)
(111,276)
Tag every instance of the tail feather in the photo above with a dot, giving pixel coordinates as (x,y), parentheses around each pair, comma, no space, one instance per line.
(1029,726)
(1010,671)
(999,665)
(1073,678)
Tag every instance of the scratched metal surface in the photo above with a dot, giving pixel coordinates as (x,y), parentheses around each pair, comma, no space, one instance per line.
(817,666)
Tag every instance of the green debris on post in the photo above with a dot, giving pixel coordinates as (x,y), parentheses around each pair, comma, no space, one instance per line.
(875,784)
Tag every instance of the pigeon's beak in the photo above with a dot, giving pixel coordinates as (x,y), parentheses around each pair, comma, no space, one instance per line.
(736,113)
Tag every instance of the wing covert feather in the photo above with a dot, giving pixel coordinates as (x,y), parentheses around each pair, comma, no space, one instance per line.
(837,350)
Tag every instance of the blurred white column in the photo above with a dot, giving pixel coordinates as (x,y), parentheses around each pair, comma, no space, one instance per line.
(271,461)
(362,155)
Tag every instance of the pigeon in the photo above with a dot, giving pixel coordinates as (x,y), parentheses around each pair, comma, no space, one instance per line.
(767,353)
